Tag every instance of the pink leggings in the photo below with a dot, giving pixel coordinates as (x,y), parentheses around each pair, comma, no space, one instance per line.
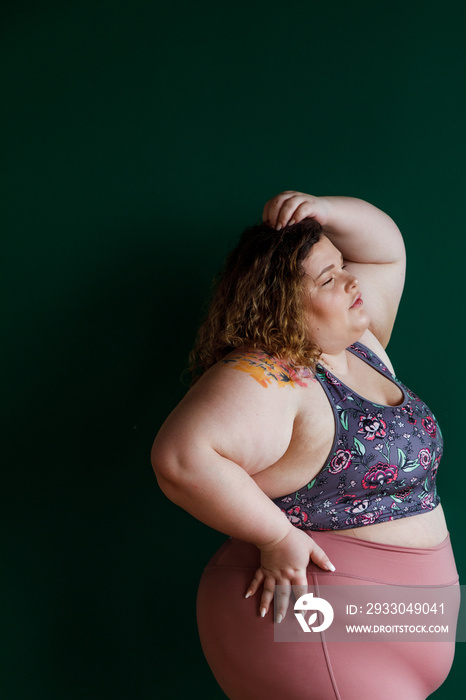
(248,665)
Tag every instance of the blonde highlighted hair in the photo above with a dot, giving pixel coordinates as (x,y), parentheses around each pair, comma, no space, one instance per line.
(258,299)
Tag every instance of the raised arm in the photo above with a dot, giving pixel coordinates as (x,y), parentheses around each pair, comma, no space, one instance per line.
(369,240)
(230,426)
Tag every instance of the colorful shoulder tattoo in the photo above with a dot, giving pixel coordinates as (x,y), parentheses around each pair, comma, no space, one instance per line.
(266,369)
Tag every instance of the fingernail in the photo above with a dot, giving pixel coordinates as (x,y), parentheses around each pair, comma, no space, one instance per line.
(290,223)
(263,611)
(248,594)
(279,618)
(278,227)
(330,566)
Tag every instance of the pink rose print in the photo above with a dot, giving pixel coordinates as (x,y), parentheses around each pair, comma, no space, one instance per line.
(429,426)
(341,460)
(379,474)
(424,457)
(403,494)
(358,505)
(296,516)
(408,409)
(331,379)
(371,427)
(428,501)
(360,351)
(433,473)
(366,518)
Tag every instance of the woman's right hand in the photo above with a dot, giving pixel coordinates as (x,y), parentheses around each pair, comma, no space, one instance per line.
(290,207)
(284,563)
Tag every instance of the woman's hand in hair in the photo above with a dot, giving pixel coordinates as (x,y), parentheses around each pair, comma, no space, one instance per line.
(284,564)
(290,207)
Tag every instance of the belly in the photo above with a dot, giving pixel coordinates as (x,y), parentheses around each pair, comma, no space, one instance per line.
(422,530)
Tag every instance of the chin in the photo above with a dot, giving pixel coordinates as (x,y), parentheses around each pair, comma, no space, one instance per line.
(360,332)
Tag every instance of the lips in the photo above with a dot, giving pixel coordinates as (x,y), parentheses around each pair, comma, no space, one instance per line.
(357,302)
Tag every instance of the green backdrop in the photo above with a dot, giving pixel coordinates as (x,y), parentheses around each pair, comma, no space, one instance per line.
(139,138)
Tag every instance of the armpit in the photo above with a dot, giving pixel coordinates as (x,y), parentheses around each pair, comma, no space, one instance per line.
(267,370)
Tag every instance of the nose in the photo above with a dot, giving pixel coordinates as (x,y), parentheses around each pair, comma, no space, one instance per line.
(351,282)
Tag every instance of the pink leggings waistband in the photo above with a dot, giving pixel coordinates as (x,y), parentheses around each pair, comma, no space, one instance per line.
(361,559)
(387,563)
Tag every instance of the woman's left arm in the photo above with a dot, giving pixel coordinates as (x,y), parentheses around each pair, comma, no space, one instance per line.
(369,240)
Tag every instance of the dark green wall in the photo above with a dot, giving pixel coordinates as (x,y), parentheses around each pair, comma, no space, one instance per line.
(139,138)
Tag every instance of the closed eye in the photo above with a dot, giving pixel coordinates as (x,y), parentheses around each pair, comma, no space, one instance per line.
(343,267)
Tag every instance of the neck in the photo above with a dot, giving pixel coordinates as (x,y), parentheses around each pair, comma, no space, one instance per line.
(335,361)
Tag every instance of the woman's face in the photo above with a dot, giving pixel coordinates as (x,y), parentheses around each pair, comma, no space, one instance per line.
(333,304)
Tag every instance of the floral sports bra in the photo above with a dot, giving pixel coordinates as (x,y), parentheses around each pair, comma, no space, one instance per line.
(382,465)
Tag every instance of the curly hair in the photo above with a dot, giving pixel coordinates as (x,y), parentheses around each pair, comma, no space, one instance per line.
(257,299)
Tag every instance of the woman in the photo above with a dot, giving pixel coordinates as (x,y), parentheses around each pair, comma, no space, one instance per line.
(298,442)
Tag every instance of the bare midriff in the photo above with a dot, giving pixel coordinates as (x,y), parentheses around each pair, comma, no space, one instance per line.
(419,531)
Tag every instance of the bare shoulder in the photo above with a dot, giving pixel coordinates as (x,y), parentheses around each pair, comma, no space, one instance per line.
(268,370)
(251,381)
(244,407)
